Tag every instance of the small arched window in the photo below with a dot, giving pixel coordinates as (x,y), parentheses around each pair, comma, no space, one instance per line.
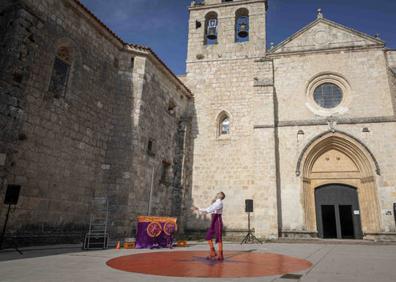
(211,25)
(242,25)
(224,125)
(172,107)
(60,72)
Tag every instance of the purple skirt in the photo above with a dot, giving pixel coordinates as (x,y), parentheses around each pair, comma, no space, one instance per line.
(216,228)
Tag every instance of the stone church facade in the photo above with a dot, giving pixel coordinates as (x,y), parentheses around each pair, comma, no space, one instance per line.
(285,146)
(306,128)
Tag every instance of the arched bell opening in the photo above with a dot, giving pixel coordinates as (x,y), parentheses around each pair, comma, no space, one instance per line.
(335,160)
(211,28)
(242,25)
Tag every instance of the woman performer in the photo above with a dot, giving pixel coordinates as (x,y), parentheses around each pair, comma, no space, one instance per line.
(216,225)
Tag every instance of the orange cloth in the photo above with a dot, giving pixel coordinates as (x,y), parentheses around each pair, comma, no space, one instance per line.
(144,218)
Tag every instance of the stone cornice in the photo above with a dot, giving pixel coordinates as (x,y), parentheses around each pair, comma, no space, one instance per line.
(322,51)
(227,4)
(362,120)
(256,58)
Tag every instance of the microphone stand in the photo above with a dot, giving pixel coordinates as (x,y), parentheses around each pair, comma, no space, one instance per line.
(250,238)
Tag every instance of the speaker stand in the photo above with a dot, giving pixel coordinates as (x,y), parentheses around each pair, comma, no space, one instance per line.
(250,238)
(4,230)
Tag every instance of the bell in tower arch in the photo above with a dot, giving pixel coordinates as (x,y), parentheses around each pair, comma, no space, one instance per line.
(243,27)
(212,29)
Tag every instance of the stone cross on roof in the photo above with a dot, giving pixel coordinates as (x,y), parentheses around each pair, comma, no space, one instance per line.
(320,14)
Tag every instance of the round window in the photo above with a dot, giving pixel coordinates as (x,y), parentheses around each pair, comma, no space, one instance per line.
(328,95)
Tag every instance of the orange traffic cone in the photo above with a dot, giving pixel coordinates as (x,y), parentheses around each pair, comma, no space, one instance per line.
(118,246)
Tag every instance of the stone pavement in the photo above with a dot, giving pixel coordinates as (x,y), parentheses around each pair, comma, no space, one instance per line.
(331,262)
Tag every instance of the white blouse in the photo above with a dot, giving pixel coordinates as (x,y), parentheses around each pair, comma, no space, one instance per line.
(215,208)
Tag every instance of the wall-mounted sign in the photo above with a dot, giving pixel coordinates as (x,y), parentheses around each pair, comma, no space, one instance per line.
(356,212)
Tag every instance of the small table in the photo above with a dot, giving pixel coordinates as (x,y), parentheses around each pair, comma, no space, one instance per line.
(155,232)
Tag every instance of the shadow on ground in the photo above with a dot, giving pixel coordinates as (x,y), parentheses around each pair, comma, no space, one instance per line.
(41,251)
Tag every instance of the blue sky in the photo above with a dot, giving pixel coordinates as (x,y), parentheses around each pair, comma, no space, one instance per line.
(162,24)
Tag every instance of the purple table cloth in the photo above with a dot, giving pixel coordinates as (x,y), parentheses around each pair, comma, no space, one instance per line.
(155,232)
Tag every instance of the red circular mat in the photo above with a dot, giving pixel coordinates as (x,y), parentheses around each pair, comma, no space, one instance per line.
(195,264)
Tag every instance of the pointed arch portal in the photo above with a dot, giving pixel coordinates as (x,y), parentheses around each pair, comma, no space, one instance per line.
(339,160)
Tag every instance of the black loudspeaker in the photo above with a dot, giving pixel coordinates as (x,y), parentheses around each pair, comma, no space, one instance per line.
(248,205)
(12,194)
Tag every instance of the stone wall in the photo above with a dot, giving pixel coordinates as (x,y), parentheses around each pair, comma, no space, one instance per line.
(241,164)
(367,82)
(368,117)
(57,151)
(91,142)
(292,145)
(167,129)
(228,78)
(391,56)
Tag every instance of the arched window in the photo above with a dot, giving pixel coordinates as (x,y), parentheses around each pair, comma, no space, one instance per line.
(211,25)
(242,25)
(60,71)
(224,125)
(328,95)
(172,107)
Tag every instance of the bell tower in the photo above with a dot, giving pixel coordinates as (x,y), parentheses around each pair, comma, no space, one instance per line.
(233,92)
(221,29)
